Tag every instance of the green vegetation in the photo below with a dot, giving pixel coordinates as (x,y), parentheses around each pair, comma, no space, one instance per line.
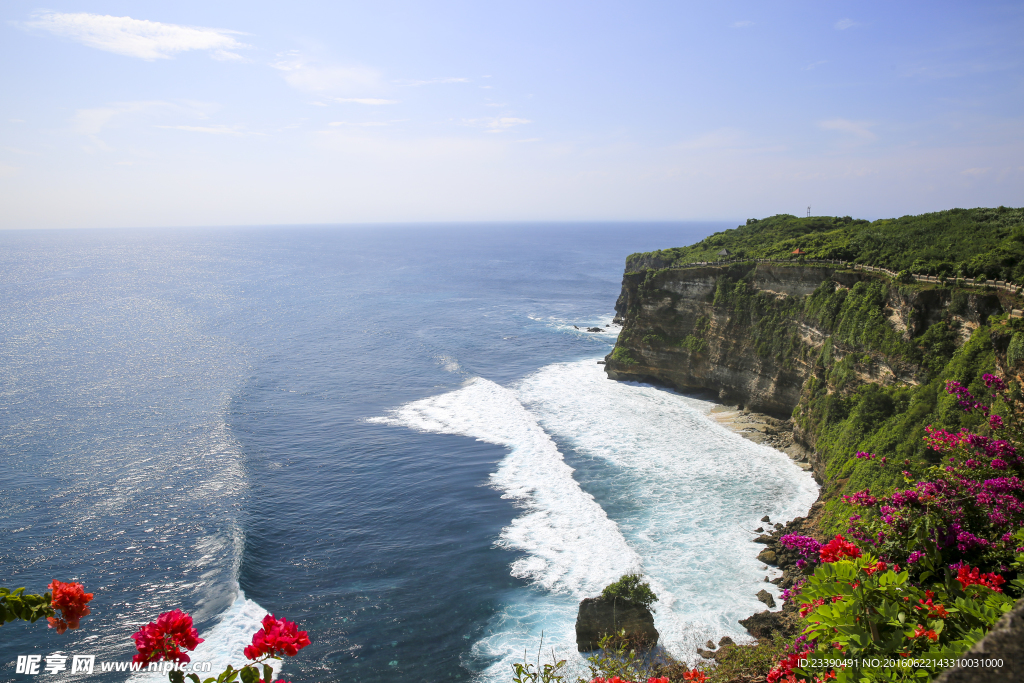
(620,354)
(955,243)
(693,344)
(632,587)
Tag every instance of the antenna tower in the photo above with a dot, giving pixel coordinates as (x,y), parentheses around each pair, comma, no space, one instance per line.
(808,212)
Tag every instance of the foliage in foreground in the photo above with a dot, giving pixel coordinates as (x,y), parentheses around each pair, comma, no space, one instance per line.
(165,641)
(956,534)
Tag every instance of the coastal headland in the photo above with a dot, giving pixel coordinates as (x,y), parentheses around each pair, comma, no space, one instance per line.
(829,338)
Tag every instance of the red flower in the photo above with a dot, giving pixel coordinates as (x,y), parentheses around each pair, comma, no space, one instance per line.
(70,599)
(837,549)
(934,610)
(694,676)
(974,576)
(161,640)
(783,671)
(920,631)
(879,566)
(277,637)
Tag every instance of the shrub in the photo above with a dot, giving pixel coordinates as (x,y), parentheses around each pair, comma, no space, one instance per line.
(632,588)
(955,535)
(1015,352)
(622,355)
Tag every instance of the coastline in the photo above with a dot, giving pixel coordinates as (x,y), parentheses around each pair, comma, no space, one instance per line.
(778,434)
(763,429)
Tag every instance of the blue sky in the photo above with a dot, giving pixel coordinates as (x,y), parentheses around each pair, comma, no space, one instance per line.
(231,113)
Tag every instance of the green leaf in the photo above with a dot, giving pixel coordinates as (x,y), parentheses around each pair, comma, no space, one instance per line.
(268,673)
(249,674)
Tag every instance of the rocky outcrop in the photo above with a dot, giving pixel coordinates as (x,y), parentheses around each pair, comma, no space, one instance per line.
(724,644)
(674,333)
(1004,642)
(599,617)
(764,624)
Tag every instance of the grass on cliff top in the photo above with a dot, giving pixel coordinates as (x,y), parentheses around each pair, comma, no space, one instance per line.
(964,242)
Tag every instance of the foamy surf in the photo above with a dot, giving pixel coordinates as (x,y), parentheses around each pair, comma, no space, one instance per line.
(570,545)
(687,490)
(223,644)
(664,489)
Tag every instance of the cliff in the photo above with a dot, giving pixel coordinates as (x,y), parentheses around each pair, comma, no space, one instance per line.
(803,342)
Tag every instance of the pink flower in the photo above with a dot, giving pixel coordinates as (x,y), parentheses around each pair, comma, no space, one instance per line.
(161,640)
(995,422)
(277,637)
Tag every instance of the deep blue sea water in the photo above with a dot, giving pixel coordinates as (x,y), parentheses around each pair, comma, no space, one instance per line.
(394,435)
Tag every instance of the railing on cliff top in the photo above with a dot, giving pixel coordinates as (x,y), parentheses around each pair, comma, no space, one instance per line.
(970,281)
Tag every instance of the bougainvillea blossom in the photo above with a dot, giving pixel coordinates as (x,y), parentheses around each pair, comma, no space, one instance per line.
(69,599)
(277,637)
(163,639)
(837,549)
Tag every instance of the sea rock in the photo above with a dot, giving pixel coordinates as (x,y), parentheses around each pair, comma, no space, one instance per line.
(710,645)
(766,597)
(759,529)
(766,519)
(764,538)
(725,640)
(763,624)
(767,556)
(594,329)
(598,617)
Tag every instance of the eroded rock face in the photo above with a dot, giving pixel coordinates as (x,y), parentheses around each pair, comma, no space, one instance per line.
(598,617)
(675,334)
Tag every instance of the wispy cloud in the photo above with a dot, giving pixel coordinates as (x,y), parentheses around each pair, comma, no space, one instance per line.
(975,171)
(497,124)
(504,123)
(742,24)
(432,81)
(364,100)
(140,38)
(858,129)
(307,75)
(815,65)
(364,124)
(844,24)
(92,121)
(213,130)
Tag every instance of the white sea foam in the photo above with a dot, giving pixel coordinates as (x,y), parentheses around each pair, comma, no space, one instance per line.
(570,545)
(223,644)
(681,494)
(687,490)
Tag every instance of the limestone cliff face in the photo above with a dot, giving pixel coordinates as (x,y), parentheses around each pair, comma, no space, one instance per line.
(675,332)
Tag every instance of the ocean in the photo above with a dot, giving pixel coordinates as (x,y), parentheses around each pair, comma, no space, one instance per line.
(398,437)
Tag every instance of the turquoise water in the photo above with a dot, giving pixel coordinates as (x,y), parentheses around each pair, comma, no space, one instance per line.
(394,435)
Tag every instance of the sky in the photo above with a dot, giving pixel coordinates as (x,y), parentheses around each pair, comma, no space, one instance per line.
(141,114)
